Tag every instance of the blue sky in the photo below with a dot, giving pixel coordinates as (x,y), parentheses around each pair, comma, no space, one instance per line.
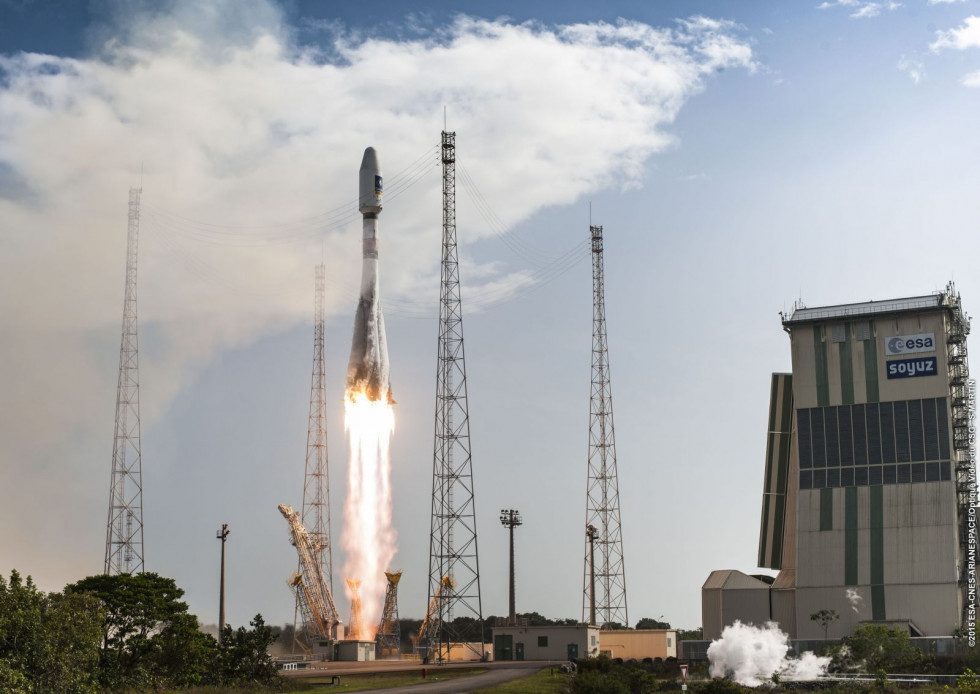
(739,155)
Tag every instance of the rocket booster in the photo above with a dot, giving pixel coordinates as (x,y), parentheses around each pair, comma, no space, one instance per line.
(367,370)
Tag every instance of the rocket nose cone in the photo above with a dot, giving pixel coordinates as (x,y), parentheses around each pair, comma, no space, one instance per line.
(369,180)
(370,160)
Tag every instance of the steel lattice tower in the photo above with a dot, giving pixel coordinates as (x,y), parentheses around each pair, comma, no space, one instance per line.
(124,528)
(389,638)
(602,494)
(315,513)
(452,544)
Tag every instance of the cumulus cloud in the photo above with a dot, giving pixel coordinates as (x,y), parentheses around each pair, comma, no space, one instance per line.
(249,145)
(961,38)
(864,10)
(971,79)
(913,68)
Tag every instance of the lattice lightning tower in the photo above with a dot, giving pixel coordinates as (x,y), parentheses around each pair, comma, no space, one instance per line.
(602,496)
(124,528)
(452,545)
(315,513)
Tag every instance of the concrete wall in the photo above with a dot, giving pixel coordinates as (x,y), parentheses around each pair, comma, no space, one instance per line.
(731,595)
(549,642)
(354,651)
(638,643)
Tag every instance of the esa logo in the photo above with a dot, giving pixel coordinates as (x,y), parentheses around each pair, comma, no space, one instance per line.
(907,368)
(910,344)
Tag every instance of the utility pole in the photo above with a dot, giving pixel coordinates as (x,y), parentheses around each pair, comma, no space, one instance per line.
(591,532)
(511,518)
(223,536)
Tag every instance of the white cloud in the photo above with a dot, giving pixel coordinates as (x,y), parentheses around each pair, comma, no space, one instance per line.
(254,137)
(913,68)
(865,10)
(966,36)
(971,79)
(872,9)
(944,2)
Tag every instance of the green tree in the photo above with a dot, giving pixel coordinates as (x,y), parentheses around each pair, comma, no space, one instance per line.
(825,618)
(650,623)
(244,654)
(185,656)
(874,647)
(48,643)
(136,609)
(690,634)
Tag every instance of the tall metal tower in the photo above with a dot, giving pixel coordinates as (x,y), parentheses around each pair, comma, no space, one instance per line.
(315,513)
(602,493)
(124,527)
(452,544)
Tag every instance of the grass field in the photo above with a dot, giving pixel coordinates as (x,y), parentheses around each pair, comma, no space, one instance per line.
(542,682)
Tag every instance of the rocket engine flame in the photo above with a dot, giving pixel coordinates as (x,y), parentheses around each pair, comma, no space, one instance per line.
(368,538)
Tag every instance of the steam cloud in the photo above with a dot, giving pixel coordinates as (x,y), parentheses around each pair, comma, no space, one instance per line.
(751,655)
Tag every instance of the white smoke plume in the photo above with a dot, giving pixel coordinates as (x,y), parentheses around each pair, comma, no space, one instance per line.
(857,602)
(750,655)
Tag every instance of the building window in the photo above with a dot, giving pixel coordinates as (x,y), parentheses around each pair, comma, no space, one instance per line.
(837,332)
(668,642)
(542,642)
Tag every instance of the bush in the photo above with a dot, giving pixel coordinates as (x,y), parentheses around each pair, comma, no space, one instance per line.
(721,686)
(874,647)
(596,682)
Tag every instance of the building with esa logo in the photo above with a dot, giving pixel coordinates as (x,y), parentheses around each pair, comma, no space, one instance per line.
(869,471)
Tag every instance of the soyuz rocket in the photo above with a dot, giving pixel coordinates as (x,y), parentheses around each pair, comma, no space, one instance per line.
(367,370)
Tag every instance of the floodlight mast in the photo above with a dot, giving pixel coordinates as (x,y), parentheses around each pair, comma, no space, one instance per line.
(511,518)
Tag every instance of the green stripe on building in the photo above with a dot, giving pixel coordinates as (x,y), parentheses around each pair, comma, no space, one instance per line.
(850,536)
(826,509)
(777,532)
(877,551)
(846,374)
(820,352)
(871,366)
(764,531)
(785,434)
(777,471)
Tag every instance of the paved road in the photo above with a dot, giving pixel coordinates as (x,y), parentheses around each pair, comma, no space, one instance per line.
(461,685)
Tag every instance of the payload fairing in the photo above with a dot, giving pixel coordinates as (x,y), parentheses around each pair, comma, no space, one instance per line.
(367,370)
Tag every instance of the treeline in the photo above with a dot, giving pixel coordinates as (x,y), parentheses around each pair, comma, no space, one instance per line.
(119,633)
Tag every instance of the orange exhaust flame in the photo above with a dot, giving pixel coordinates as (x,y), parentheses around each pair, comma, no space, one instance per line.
(368,538)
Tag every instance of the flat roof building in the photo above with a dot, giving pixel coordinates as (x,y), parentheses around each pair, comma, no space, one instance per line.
(869,469)
(866,506)
(555,642)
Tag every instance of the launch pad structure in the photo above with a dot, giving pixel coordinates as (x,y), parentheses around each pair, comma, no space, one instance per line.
(389,637)
(454,568)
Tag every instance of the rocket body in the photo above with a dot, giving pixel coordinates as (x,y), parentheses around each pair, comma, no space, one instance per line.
(367,370)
